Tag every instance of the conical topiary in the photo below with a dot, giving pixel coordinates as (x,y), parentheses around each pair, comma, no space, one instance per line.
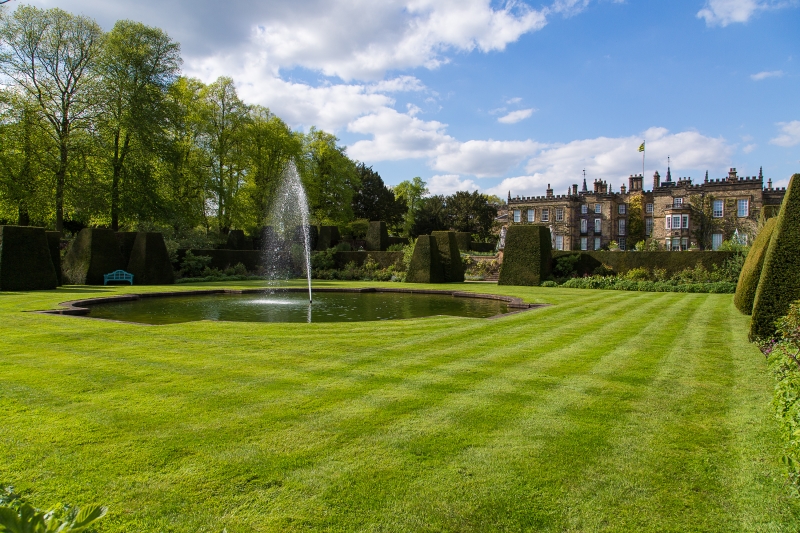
(751,271)
(779,284)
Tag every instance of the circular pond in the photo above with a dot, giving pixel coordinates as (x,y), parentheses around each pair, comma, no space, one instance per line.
(293,307)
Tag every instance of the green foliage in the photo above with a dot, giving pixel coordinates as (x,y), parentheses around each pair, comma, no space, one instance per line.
(357,228)
(373,200)
(637,274)
(25,260)
(751,270)
(330,178)
(527,256)
(622,284)
(779,284)
(430,215)
(549,283)
(479,270)
(784,356)
(636,227)
(18,516)
(566,265)
(411,192)
(193,266)
(672,262)
(470,212)
(377,237)
(323,260)
(149,260)
(92,254)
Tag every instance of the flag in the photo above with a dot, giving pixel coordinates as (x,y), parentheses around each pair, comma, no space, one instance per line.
(641,147)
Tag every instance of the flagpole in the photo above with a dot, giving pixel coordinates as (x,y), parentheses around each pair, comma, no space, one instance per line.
(643,152)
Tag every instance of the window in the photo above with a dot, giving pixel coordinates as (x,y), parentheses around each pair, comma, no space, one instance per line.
(677,201)
(559,214)
(598,225)
(716,241)
(598,208)
(685,221)
(648,208)
(685,243)
(597,243)
(559,242)
(584,209)
(669,222)
(622,226)
(676,245)
(648,226)
(621,209)
(716,212)
(622,243)
(742,208)
(584,225)
(516,215)
(676,222)
(584,243)
(531,215)
(667,244)
(545,215)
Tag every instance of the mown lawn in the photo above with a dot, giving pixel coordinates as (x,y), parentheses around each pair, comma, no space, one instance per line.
(607,411)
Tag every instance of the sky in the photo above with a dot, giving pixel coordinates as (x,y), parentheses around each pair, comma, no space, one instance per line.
(508,96)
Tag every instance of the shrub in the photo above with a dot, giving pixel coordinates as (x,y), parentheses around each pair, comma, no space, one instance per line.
(343,247)
(18,516)
(603,270)
(637,274)
(452,268)
(25,260)
(397,247)
(464,240)
(526,259)
(751,271)
(779,284)
(323,260)
(549,283)
(193,266)
(566,265)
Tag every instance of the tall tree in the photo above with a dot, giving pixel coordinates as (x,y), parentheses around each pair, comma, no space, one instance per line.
(137,67)
(412,192)
(330,178)
(50,55)
(430,215)
(375,201)
(225,117)
(269,146)
(471,212)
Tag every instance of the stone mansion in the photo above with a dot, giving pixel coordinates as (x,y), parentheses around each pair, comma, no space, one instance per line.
(678,215)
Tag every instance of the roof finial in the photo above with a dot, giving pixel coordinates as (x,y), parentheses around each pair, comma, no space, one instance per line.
(669,173)
(761,173)
(706,176)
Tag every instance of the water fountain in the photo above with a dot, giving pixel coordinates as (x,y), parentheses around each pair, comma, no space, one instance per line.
(287,235)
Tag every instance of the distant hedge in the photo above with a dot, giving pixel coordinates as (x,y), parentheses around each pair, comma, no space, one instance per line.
(527,256)
(426,265)
(768,212)
(54,244)
(238,241)
(25,263)
(149,262)
(464,239)
(384,259)
(751,271)
(613,283)
(328,237)
(779,284)
(483,246)
(452,266)
(622,262)
(93,253)
(222,259)
(377,237)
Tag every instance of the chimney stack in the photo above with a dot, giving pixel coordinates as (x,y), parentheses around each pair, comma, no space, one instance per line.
(549,191)
(656,180)
(732,175)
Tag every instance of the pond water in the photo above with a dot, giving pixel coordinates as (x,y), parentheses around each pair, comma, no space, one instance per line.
(294,307)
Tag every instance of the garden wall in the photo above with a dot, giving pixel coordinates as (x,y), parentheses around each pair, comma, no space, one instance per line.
(622,262)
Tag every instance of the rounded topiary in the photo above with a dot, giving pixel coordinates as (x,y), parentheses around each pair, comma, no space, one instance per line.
(526,258)
(751,271)
(779,284)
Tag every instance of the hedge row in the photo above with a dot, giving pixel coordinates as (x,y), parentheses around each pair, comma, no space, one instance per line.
(450,256)
(25,262)
(94,253)
(377,237)
(425,264)
(622,262)
(779,284)
(751,271)
(222,259)
(527,256)
(613,283)
(384,259)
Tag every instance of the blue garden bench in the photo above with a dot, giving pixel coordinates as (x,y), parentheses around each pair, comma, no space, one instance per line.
(118,275)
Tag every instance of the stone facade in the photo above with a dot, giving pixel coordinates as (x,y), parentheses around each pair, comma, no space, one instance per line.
(677,215)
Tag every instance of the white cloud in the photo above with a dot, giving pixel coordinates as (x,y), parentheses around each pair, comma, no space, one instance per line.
(515,116)
(790,136)
(613,159)
(450,183)
(725,12)
(484,159)
(749,148)
(766,74)
(396,136)
(514,100)
(397,85)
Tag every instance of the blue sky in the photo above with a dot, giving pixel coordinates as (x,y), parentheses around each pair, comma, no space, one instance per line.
(509,96)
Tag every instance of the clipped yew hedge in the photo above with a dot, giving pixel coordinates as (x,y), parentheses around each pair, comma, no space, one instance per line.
(452,266)
(464,239)
(54,244)
(384,259)
(94,253)
(779,284)
(126,240)
(426,265)
(328,237)
(149,261)
(527,256)
(25,263)
(751,271)
(377,236)
(622,262)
